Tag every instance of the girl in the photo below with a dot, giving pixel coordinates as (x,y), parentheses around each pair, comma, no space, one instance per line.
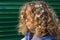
(38,21)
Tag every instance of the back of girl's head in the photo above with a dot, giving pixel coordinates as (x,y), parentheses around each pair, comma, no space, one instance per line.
(38,14)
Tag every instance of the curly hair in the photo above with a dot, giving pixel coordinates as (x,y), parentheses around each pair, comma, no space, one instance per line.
(39,17)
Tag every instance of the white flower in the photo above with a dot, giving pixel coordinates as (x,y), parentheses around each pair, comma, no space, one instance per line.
(40,5)
(37,5)
(42,10)
(31,4)
(39,26)
(37,15)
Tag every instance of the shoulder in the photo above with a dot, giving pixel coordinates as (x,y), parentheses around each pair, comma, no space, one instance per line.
(44,38)
(49,38)
(36,38)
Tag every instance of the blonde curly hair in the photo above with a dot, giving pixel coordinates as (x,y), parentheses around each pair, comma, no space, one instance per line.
(39,17)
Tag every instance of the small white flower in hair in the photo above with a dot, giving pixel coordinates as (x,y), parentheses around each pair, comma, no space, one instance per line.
(37,5)
(31,4)
(39,26)
(40,5)
(42,10)
(37,15)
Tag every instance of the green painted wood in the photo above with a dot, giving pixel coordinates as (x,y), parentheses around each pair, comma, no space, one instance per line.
(9,10)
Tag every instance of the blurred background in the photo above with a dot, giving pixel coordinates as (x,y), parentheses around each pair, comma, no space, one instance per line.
(9,11)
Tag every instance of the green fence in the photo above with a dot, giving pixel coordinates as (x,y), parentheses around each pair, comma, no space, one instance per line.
(9,10)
